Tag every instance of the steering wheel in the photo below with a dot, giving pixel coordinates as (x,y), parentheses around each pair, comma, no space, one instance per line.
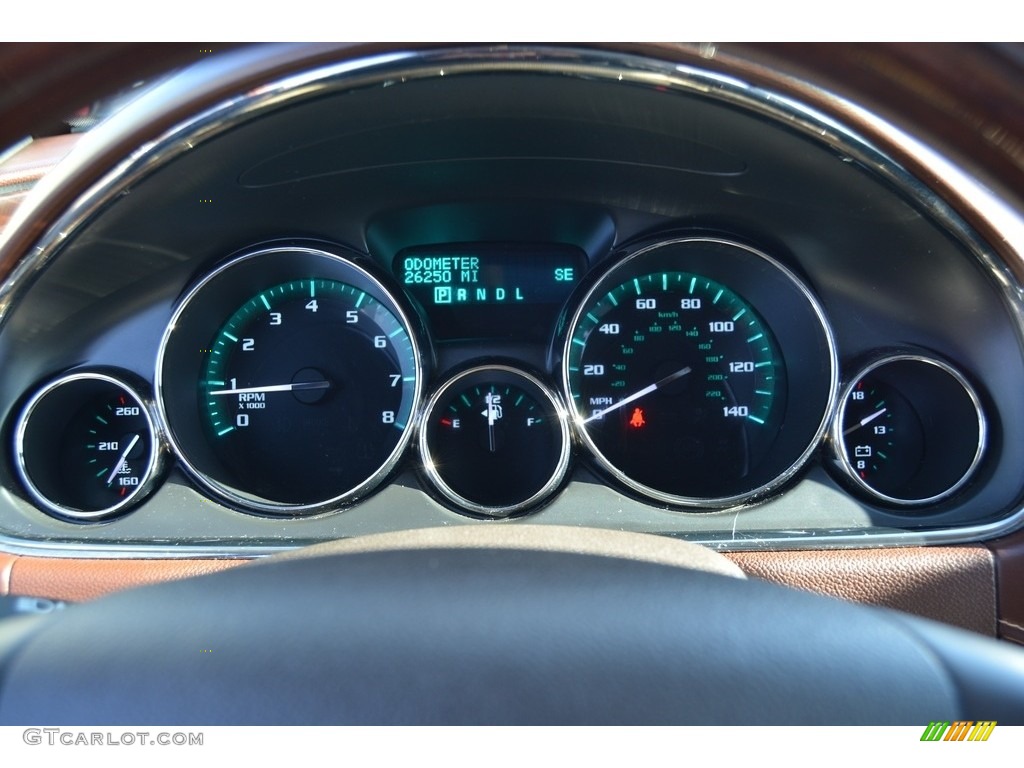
(523,625)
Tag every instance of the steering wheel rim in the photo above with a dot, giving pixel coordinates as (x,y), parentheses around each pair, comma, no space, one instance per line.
(515,635)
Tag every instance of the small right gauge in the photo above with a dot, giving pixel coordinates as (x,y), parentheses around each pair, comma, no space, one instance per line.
(909,431)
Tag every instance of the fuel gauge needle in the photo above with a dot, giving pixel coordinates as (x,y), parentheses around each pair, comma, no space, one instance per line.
(866,420)
(491,413)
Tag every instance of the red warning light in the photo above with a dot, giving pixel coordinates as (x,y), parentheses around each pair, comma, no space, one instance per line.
(637,419)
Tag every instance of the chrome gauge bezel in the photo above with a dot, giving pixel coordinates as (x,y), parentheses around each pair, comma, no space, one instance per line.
(501,511)
(151,473)
(334,267)
(838,445)
(626,266)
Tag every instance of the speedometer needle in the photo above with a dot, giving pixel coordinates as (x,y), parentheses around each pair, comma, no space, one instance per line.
(866,420)
(120,461)
(637,395)
(299,385)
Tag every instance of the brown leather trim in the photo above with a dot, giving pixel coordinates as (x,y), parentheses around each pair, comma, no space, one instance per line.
(43,83)
(20,172)
(31,163)
(955,585)
(1009,559)
(6,562)
(77,580)
(8,205)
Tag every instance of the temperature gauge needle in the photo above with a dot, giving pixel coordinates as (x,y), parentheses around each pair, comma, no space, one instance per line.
(121,460)
(866,420)
(637,395)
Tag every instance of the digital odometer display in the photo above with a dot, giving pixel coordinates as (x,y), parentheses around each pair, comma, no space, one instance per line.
(489,290)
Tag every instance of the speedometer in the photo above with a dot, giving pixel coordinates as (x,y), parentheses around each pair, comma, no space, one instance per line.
(673,368)
(701,372)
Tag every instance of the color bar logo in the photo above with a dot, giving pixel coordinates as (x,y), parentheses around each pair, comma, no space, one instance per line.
(961,730)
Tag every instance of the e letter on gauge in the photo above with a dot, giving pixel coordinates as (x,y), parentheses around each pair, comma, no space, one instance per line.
(495,441)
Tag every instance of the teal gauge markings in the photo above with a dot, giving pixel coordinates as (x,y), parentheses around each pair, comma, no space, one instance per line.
(872,432)
(910,430)
(118,444)
(308,390)
(87,447)
(731,342)
(118,463)
(494,441)
(301,300)
(502,405)
(677,381)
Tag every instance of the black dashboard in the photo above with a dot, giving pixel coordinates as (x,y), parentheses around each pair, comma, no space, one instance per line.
(455,288)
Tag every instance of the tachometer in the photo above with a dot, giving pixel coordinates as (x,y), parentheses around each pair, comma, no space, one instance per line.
(288,379)
(701,372)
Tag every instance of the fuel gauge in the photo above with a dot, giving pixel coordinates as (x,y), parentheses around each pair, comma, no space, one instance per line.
(910,430)
(495,441)
(86,447)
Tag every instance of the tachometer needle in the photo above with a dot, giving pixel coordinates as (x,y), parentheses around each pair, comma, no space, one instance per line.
(121,460)
(866,420)
(299,385)
(637,395)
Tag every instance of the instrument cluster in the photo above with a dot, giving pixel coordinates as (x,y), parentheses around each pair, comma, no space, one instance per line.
(437,290)
(697,373)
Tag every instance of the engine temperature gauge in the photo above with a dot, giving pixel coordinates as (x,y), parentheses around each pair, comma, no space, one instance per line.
(910,430)
(86,447)
(495,441)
